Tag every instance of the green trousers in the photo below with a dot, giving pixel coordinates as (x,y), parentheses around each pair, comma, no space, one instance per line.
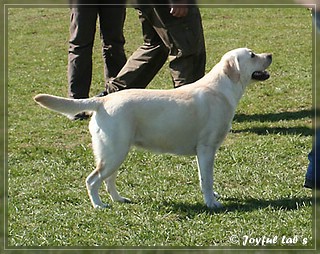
(164,35)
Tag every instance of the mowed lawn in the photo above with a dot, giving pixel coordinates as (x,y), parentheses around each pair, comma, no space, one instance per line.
(259,170)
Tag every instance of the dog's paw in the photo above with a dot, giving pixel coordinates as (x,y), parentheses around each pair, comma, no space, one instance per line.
(102,206)
(125,200)
(214,204)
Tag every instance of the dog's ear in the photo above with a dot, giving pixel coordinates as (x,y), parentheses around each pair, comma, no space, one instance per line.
(231,69)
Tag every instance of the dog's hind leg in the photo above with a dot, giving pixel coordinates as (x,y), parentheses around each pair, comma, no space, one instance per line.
(111,143)
(105,172)
(108,173)
(109,158)
(93,183)
(205,159)
(110,183)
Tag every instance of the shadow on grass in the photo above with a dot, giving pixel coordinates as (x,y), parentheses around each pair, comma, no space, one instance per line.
(304,131)
(274,117)
(246,205)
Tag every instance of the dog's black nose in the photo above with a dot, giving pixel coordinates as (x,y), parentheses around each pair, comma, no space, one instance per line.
(269,56)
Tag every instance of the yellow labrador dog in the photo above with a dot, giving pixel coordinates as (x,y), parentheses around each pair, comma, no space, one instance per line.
(190,120)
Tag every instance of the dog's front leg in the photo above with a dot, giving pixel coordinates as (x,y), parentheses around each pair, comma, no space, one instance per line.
(205,159)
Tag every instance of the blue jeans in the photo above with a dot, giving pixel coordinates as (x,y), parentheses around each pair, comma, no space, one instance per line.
(313,171)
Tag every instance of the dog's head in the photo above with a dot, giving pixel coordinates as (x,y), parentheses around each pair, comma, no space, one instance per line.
(244,66)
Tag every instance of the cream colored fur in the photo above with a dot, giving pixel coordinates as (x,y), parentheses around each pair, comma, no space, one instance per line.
(191,120)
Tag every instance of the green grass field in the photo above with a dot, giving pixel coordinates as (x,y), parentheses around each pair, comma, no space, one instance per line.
(259,170)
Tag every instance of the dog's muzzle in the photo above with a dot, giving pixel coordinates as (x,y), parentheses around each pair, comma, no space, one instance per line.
(262,75)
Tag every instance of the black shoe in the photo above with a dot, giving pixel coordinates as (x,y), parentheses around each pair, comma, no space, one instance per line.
(308,183)
(111,88)
(80,116)
(102,94)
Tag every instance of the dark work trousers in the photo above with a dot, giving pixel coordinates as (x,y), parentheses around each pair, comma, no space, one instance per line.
(164,35)
(82,32)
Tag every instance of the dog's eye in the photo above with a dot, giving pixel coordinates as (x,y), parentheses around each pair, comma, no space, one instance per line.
(253,55)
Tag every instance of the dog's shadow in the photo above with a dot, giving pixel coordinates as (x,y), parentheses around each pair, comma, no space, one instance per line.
(245,205)
(276,117)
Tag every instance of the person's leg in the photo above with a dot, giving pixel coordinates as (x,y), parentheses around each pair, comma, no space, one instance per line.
(144,63)
(82,30)
(187,46)
(317,158)
(111,30)
(312,177)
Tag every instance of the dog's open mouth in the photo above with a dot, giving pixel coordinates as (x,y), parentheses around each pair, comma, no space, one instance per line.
(260,75)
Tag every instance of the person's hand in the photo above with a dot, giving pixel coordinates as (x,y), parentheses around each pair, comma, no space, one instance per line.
(309,3)
(178,10)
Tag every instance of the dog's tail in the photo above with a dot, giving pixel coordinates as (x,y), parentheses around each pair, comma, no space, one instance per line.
(68,107)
